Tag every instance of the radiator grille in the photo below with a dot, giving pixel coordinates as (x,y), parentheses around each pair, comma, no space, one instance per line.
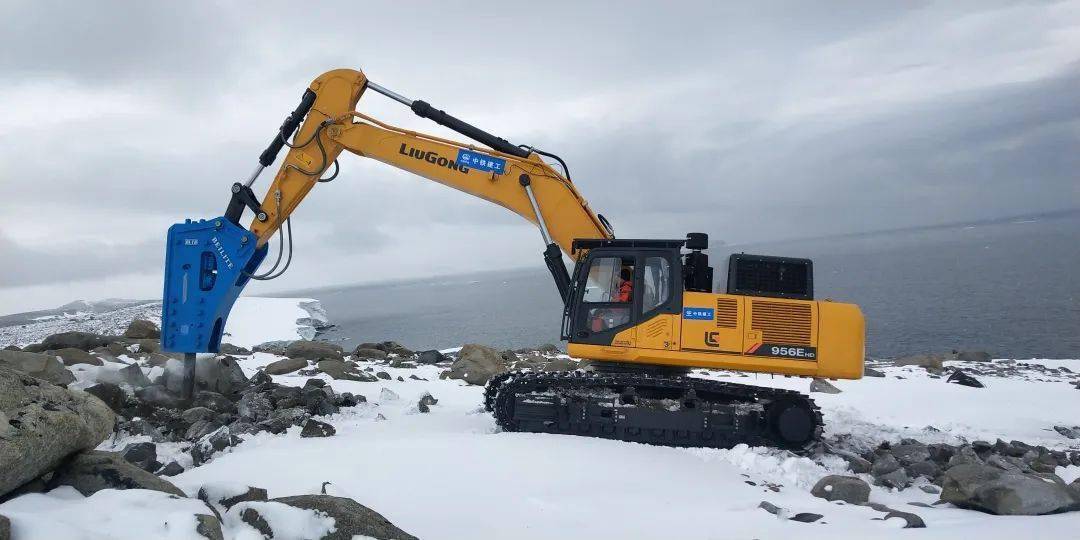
(656,328)
(727,312)
(784,323)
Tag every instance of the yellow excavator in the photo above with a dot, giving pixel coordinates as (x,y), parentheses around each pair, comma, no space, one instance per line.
(642,311)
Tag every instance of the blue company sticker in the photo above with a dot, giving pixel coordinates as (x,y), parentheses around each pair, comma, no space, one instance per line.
(698,313)
(481,162)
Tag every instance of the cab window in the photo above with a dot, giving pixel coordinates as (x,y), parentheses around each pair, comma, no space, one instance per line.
(610,283)
(657,283)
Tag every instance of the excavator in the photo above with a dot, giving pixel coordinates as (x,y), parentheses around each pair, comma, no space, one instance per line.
(642,312)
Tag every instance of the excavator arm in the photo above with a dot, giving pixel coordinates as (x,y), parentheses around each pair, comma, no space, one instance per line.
(208,263)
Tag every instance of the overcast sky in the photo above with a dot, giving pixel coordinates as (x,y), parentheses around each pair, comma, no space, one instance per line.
(749,123)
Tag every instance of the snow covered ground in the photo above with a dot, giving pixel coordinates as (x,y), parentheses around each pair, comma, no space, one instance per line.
(452,474)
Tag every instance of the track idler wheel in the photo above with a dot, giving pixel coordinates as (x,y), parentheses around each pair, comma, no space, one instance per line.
(792,423)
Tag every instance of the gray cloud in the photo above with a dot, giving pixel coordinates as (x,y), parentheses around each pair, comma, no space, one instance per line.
(751,123)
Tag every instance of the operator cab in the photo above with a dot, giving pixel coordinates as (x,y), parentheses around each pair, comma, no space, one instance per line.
(620,284)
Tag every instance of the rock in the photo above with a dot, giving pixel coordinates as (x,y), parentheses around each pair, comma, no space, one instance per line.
(205,448)
(973,356)
(857,464)
(5,528)
(229,348)
(93,471)
(315,428)
(42,366)
(142,329)
(41,424)
(806,517)
(71,356)
(78,340)
(477,363)
(254,406)
(940,452)
(383,375)
(560,364)
(285,365)
(432,357)
(158,360)
(222,375)
(931,489)
(314,350)
(849,489)
(910,453)
(770,508)
(823,386)
(871,372)
(934,361)
(223,496)
(389,347)
(159,396)
(963,379)
(428,399)
(172,469)
(213,401)
(896,479)
(208,526)
(131,375)
(342,370)
(350,517)
(965,455)
(912,521)
(272,347)
(143,455)
(992,490)
(282,419)
(365,352)
(927,469)
(252,517)
(110,395)
(201,428)
(884,464)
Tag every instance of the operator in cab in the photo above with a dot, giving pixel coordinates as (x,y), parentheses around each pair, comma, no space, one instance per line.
(626,284)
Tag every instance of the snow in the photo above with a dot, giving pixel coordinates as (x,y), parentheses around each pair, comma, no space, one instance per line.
(452,474)
(256,320)
(286,521)
(253,320)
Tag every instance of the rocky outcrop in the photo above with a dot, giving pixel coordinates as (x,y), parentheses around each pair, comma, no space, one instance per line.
(477,363)
(142,329)
(372,353)
(315,428)
(42,366)
(344,370)
(432,357)
(388,347)
(93,471)
(350,517)
(41,424)
(996,491)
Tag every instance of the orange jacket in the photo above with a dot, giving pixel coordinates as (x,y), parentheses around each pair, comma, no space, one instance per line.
(625,290)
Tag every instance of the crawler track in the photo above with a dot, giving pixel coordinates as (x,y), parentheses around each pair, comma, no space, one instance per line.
(655,409)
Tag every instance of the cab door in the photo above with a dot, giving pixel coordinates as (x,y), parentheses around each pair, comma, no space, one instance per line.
(602,309)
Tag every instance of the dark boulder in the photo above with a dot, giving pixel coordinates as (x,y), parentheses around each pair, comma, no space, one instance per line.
(142,329)
(315,428)
(314,350)
(992,490)
(143,455)
(215,442)
(819,385)
(41,424)
(350,517)
(432,357)
(78,340)
(371,353)
(72,356)
(42,366)
(849,489)
(963,379)
(110,394)
(93,471)
(477,363)
(285,365)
